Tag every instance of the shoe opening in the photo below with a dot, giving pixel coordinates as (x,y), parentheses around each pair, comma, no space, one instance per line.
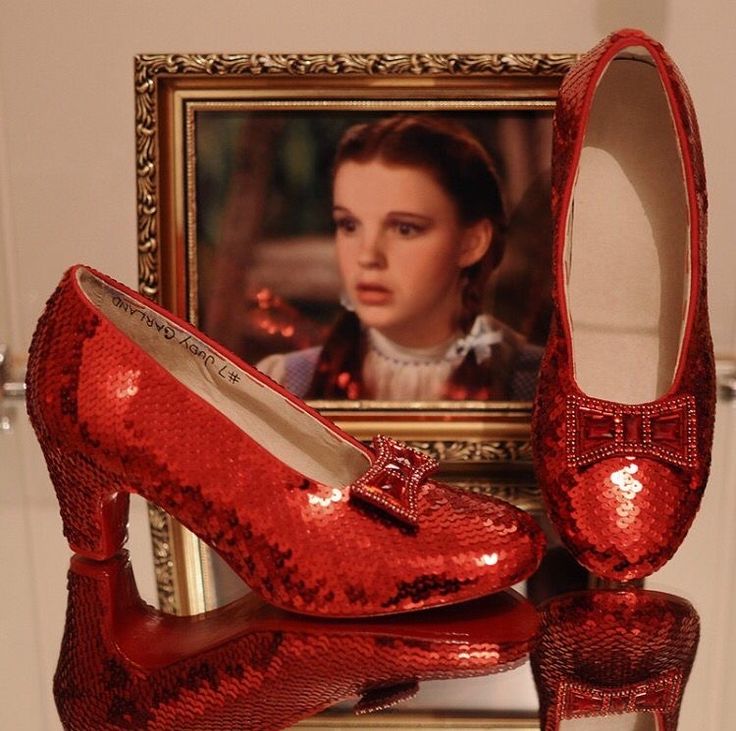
(627,252)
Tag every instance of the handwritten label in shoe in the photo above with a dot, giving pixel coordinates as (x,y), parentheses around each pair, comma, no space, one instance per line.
(191,344)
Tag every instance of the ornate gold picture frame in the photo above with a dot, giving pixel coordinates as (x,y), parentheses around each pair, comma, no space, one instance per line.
(483,445)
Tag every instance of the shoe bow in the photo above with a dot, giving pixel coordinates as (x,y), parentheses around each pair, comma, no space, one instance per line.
(392,483)
(660,694)
(599,429)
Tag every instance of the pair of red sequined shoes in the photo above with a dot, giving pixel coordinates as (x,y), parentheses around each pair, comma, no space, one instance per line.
(127,398)
(623,418)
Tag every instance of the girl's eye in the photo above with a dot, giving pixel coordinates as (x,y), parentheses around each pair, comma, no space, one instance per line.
(346,225)
(404,228)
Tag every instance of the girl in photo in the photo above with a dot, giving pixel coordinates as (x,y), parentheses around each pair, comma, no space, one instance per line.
(419,228)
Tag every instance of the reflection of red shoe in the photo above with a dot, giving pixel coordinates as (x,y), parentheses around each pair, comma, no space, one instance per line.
(618,652)
(623,419)
(127,398)
(250,666)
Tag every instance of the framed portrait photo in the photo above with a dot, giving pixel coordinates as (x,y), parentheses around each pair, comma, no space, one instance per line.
(370,230)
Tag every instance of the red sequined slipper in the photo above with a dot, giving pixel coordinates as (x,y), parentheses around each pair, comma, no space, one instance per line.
(126,398)
(614,653)
(125,665)
(623,418)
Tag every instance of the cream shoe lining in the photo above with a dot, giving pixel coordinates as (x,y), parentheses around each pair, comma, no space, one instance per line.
(289,433)
(628,231)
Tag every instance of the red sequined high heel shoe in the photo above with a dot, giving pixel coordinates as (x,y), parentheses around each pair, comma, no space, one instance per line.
(614,653)
(124,665)
(623,418)
(126,398)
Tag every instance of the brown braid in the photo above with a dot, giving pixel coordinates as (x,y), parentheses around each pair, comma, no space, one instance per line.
(338,371)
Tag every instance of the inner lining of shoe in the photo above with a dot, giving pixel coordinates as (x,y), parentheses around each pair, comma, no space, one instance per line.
(280,426)
(621,722)
(627,254)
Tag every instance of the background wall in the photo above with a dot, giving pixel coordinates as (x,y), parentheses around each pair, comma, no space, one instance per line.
(67,172)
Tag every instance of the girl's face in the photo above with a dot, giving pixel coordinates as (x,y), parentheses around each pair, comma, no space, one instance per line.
(401,248)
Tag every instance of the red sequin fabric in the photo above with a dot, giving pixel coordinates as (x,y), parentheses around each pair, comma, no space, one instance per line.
(622,483)
(112,420)
(124,665)
(603,653)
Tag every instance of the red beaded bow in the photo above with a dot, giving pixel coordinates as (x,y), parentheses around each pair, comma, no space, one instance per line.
(579,699)
(393,481)
(598,429)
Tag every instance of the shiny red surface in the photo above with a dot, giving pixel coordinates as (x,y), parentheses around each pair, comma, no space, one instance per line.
(623,483)
(111,420)
(394,478)
(251,666)
(602,653)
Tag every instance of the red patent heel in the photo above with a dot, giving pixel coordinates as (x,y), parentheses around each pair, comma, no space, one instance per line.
(127,398)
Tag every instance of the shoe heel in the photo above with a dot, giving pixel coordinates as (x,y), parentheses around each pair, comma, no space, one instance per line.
(93,506)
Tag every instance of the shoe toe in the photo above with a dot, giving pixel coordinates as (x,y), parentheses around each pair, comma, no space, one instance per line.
(465,546)
(628,515)
(494,543)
